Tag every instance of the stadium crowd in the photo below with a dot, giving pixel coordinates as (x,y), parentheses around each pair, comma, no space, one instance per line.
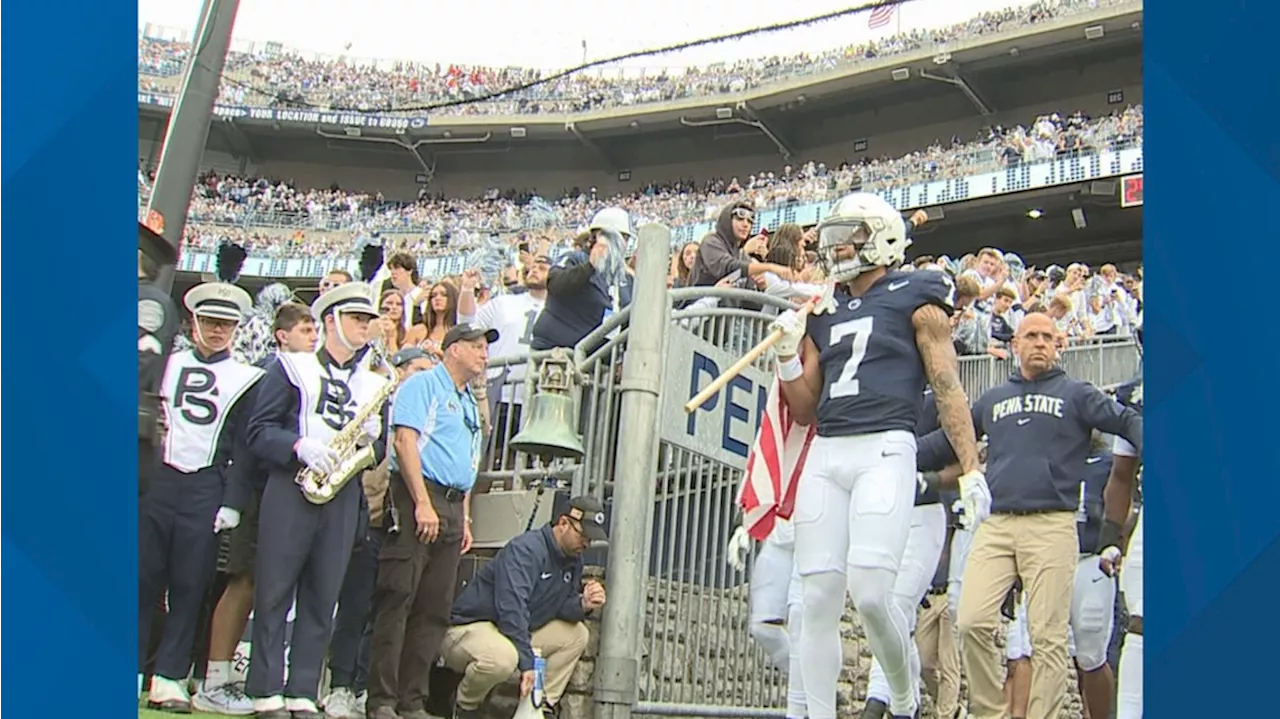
(324,222)
(274,76)
(438,327)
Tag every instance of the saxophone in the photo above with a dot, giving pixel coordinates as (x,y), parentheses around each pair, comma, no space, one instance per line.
(352,460)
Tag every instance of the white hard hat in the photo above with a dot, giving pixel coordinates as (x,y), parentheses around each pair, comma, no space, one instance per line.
(613,219)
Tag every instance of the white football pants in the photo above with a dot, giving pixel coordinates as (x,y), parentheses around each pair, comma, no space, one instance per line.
(919,563)
(774,616)
(852,518)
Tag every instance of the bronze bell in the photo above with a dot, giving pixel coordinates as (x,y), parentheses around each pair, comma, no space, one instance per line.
(549,429)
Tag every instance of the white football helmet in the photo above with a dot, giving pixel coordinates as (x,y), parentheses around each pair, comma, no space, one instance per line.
(862,232)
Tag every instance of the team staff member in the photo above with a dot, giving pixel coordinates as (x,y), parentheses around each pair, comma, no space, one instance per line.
(530,597)
(587,285)
(303,548)
(436,451)
(183,509)
(293,330)
(353,627)
(1039,424)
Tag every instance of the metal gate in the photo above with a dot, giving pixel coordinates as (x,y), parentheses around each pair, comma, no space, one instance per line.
(674,638)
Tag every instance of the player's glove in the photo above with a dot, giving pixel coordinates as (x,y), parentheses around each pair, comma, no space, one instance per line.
(226,518)
(825,303)
(738,549)
(1109,548)
(976,498)
(792,324)
(316,455)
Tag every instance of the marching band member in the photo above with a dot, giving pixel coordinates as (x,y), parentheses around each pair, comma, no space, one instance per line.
(292,330)
(304,401)
(184,506)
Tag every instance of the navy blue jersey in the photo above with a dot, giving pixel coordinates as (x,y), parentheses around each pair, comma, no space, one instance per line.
(872,378)
(1089,514)
(929,420)
(1129,394)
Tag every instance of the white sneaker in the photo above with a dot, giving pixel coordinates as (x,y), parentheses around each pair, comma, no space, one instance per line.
(340,704)
(268,704)
(298,704)
(228,699)
(168,695)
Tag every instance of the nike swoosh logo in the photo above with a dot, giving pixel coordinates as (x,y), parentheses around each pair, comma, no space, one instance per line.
(546,576)
(1099,579)
(898,285)
(887,453)
(1093,460)
(1023,421)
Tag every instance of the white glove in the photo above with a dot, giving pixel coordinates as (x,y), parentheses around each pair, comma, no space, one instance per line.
(1109,561)
(792,324)
(738,549)
(370,430)
(976,497)
(316,455)
(226,518)
(826,303)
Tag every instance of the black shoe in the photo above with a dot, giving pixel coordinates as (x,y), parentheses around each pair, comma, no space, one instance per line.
(460,713)
(875,709)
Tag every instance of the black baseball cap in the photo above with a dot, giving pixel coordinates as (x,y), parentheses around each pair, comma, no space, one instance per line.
(465,332)
(589,512)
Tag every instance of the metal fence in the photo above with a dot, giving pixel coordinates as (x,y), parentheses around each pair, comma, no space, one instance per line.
(687,649)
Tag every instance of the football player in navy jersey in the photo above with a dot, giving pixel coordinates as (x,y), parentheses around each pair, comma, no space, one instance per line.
(869,348)
(1118,504)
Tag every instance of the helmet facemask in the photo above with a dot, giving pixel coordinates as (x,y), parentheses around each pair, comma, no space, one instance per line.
(850,246)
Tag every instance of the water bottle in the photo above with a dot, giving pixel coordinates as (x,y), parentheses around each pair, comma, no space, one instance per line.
(539,678)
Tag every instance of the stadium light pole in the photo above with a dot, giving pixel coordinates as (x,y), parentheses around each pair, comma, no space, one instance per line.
(188,130)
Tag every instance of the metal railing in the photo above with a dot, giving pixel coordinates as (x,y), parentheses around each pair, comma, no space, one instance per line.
(692,652)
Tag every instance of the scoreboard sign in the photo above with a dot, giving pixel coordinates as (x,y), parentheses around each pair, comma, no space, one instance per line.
(1131,190)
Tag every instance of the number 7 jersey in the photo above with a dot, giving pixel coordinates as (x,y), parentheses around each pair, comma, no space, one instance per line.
(872,376)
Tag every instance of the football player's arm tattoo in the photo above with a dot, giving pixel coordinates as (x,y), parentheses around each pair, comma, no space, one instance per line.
(938,354)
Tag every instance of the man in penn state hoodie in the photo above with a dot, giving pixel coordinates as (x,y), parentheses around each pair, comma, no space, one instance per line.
(1039,425)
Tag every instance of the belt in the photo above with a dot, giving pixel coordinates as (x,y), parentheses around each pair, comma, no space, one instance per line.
(1029,512)
(450,494)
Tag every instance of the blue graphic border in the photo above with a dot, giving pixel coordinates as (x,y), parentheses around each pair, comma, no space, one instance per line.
(1212,553)
(69,206)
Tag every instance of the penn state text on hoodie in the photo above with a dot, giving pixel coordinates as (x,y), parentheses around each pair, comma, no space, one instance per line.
(1038,440)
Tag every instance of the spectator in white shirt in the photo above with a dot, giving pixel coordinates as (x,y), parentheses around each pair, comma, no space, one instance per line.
(991,273)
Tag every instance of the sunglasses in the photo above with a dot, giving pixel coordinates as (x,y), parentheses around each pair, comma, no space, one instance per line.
(742,213)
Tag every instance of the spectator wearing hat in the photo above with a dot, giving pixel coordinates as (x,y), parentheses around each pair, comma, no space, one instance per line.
(184,506)
(303,402)
(353,627)
(587,285)
(529,598)
(436,452)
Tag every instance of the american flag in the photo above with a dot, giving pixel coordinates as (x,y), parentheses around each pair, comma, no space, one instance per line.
(881,16)
(768,490)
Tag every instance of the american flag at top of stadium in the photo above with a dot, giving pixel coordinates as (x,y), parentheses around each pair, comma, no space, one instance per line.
(882,16)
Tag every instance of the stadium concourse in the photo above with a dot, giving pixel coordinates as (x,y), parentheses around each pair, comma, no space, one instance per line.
(1013,142)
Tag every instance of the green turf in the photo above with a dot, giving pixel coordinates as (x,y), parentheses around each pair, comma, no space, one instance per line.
(144,713)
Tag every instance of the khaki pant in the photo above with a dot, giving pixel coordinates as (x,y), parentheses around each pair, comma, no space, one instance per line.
(1042,549)
(936,640)
(486,658)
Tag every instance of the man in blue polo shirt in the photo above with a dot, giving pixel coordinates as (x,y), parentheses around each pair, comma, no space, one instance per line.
(436,451)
